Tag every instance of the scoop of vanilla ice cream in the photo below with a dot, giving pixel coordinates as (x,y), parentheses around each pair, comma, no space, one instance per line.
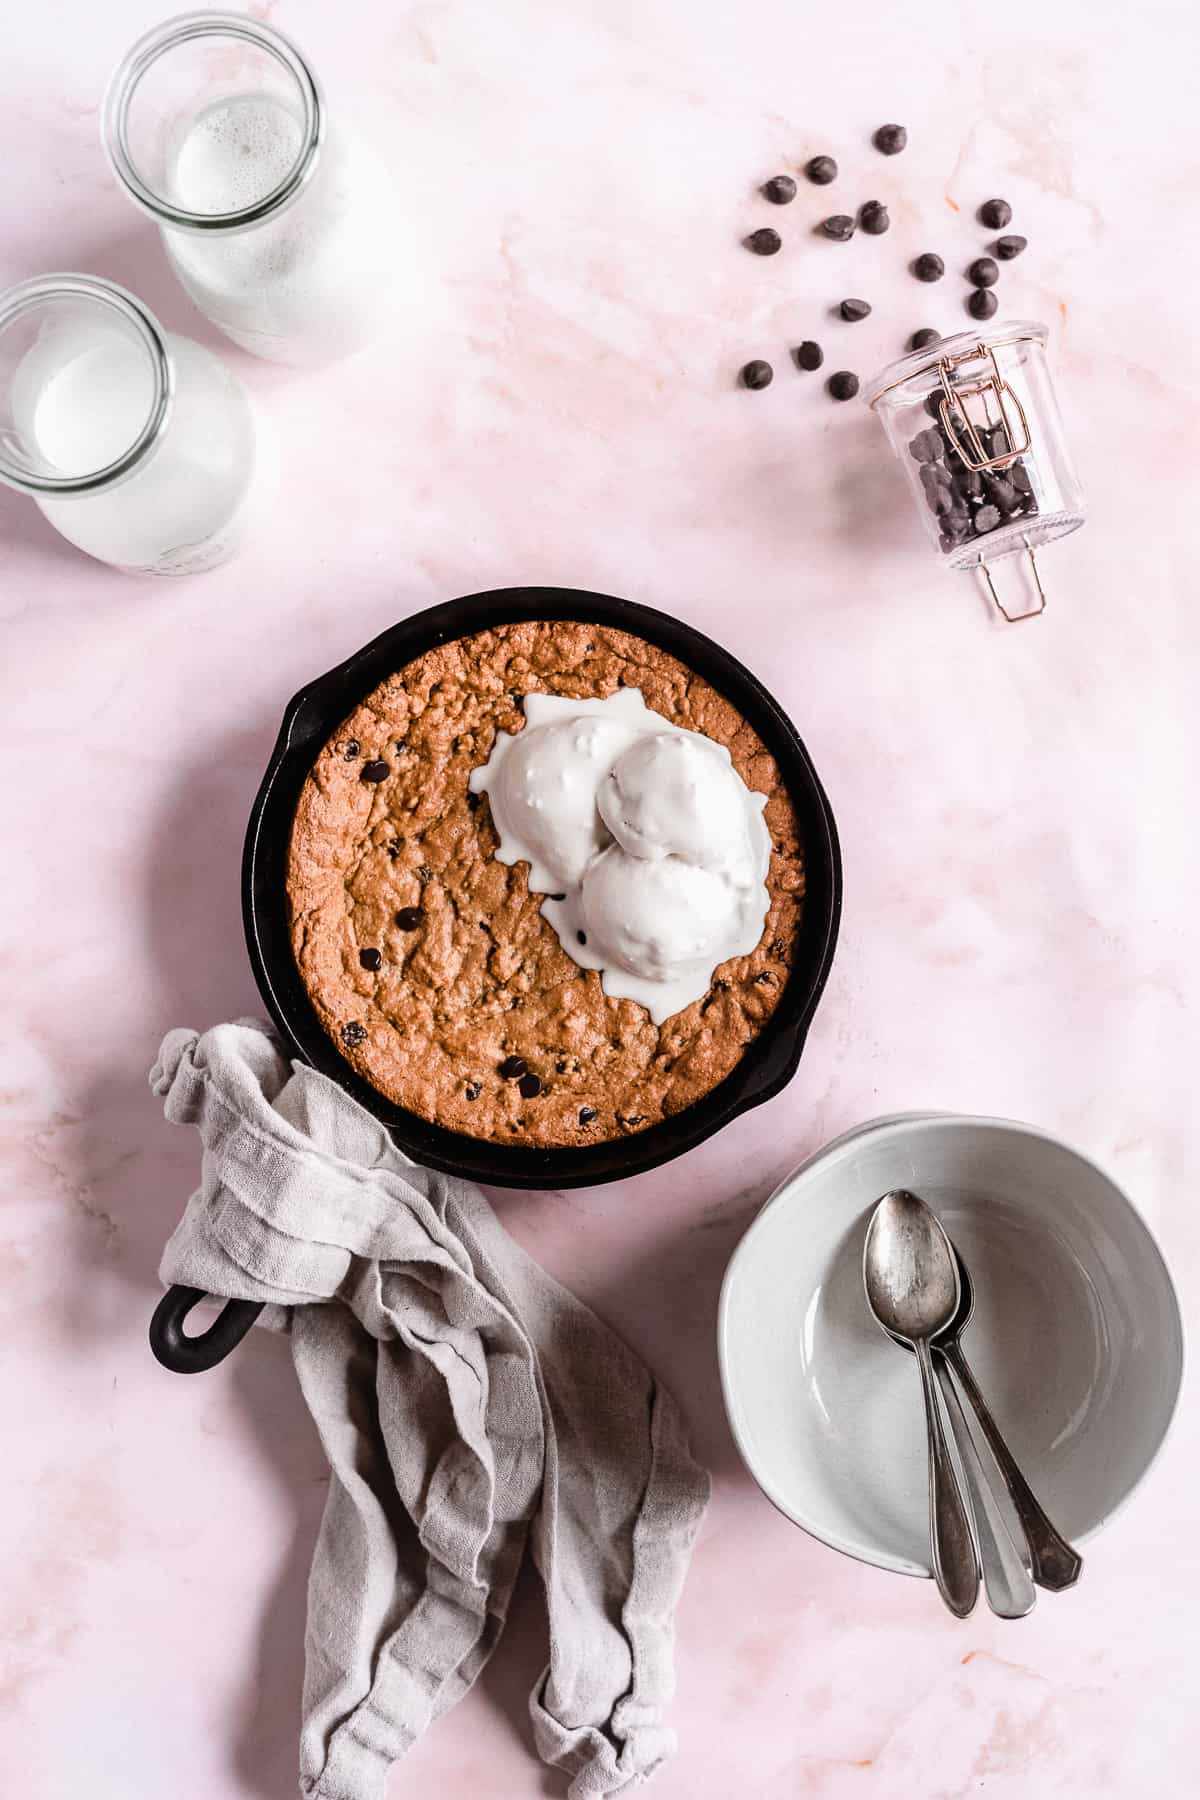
(544,798)
(676,795)
(657,919)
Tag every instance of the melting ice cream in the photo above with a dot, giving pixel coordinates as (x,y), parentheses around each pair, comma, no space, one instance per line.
(648,846)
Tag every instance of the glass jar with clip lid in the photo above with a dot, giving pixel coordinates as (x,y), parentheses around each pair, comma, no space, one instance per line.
(975,423)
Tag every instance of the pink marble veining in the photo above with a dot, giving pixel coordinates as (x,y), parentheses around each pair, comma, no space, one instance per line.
(1017,811)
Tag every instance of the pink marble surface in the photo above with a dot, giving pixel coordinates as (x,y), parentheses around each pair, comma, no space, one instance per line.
(1017,810)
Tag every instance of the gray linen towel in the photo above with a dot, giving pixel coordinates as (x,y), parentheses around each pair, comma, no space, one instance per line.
(468,1405)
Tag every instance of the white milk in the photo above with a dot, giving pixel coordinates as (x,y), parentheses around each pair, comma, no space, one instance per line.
(302,286)
(81,398)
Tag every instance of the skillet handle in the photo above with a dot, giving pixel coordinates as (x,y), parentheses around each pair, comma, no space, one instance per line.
(185,1355)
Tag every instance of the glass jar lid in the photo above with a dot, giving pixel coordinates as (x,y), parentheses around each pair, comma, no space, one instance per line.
(914,376)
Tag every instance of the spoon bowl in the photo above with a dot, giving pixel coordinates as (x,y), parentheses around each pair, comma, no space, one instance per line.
(910,1270)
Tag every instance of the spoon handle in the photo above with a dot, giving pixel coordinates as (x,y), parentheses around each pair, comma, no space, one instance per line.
(1055,1564)
(955,1562)
(1006,1576)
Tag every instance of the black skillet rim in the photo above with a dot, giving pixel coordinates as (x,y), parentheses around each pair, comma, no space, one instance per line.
(311,718)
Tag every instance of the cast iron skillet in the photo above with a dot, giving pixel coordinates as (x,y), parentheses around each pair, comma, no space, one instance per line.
(311,718)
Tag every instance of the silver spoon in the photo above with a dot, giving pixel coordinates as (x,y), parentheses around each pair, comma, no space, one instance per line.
(1054,1564)
(1006,1564)
(911,1278)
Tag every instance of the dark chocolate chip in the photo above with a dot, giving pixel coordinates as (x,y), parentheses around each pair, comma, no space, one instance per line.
(424,874)
(474,1089)
(891,139)
(587,1114)
(809,355)
(556,896)
(779,190)
(969,485)
(513,1067)
(843,385)
(1008,247)
(353,749)
(926,447)
(1002,493)
(409,918)
(401,748)
(839,226)
(518,701)
(757,374)
(873,218)
(982,303)
(764,242)
(394,847)
(996,441)
(995,214)
(473,800)
(561,1066)
(637,1119)
(920,340)
(821,170)
(530,1087)
(1019,476)
(929,266)
(766,979)
(371,959)
(933,402)
(987,518)
(854,310)
(374,771)
(582,936)
(983,272)
(354,1034)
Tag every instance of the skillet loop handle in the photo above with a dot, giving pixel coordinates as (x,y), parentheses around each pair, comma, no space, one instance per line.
(185,1355)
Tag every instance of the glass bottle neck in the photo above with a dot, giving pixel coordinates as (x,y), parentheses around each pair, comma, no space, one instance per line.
(86,385)
(214,123)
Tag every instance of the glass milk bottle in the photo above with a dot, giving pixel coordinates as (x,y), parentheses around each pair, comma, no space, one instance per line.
(272,215)
(136,444)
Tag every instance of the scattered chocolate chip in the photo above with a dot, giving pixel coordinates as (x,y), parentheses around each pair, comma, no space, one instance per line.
(890,139)
(821,170)
(809,355)
(474,1089)
(424,874)
(400,748)
(1008,247)
(757,374)
(374,771)
(530,1087)
(766,979)
(556,896)
(561,1066)
(394,847)
(409,918)
(354,1034)
(582,936)
(839,226)
(843,385)
(920,340)
(983,272)
(854,310)
(473,800)
(995,214)
(518,701)
(873,218)
(587,1114)
(982,303)
(987,518)
(371,959)
(764,242)
(353,749)
(779,190)
(929,267)
(513,1067)
(637,1119)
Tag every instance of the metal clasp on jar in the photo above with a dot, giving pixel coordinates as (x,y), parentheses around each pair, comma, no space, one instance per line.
(964,432)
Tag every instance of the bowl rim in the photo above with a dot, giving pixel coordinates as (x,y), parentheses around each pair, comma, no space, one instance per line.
(314,714)
(838,1149)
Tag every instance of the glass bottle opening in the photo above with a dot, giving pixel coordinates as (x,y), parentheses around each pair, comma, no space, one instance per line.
(213,122)
(86,384)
